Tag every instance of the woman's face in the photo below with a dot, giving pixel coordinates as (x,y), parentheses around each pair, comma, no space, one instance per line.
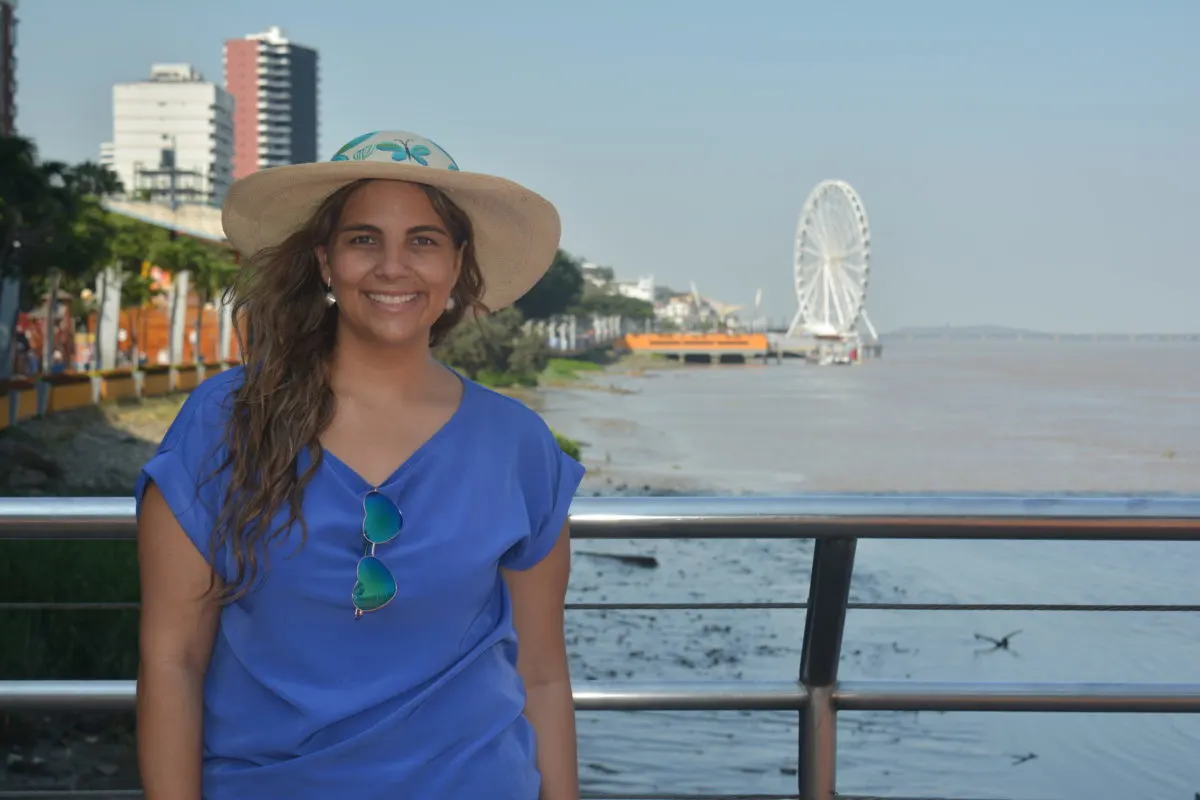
(391,263)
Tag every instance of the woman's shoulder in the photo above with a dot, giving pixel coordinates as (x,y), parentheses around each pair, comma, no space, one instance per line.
(191,452)
(206,410)
(544,476)
(200,424)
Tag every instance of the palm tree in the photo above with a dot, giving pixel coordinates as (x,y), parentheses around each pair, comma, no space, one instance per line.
(137,291)
(213,276)
(51,227)
(130,246)
(211,273)
(20,184)
(94,180)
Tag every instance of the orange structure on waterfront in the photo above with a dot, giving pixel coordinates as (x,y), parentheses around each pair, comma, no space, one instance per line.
(697,344)
(146,330)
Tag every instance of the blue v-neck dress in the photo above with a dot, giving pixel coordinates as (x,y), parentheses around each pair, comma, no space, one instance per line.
(420,699)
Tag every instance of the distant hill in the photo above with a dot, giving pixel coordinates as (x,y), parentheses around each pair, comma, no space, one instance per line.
(1001,332)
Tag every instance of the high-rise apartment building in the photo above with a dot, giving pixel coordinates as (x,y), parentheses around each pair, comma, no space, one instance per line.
(274,85)
(8,67)
(172,137)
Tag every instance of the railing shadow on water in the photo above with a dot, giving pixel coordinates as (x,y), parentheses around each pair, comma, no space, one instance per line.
(836,523)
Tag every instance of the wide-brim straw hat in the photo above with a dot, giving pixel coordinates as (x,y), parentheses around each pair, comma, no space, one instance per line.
(516,231)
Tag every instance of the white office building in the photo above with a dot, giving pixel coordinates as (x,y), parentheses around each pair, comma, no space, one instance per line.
(172,137)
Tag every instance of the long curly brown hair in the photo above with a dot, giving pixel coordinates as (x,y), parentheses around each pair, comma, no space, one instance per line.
(287,332)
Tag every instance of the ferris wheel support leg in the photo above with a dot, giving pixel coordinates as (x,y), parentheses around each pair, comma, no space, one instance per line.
(794,328)
(867,321)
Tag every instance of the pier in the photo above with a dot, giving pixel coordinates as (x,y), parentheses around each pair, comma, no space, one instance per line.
(709,348)
(836,523)
(824,350)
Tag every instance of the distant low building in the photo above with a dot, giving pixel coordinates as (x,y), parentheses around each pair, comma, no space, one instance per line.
(690,310)
(638,288)
(678,309)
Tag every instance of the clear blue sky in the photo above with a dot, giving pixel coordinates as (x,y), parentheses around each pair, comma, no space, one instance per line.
(1029,163)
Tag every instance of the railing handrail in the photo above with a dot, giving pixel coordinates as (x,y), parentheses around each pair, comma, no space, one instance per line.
(736,695)
(836,522)
(818,516)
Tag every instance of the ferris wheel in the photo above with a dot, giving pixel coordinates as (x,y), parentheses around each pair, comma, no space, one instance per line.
(832,257)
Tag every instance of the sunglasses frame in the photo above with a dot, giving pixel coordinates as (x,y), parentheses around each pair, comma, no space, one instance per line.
(369,552)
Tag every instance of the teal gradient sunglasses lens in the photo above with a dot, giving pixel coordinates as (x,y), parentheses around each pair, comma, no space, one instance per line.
(375,587)
(382,521)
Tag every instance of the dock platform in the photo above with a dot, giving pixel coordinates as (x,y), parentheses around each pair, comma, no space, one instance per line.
(712,348)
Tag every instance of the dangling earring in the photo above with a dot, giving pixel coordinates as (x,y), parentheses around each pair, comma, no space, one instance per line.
(329,298)
(450,303)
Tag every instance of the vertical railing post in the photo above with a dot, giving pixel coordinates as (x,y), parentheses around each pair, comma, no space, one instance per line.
(825,621)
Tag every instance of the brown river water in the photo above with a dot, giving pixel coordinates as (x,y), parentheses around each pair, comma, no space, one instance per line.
(928,417)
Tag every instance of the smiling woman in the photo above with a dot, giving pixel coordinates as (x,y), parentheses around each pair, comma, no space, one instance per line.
(343,541)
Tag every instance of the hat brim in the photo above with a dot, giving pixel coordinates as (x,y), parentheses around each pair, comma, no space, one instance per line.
(517,231)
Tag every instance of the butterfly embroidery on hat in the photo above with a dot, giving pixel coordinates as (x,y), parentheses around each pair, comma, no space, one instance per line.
(401,150)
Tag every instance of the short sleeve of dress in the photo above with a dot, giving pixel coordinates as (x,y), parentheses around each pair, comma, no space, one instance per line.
(184,465)
(549,478)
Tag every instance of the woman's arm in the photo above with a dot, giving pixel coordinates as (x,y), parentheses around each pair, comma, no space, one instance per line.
(538,597)
(177,629)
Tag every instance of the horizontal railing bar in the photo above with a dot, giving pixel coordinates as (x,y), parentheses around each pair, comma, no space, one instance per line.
(670,796)
(698,696)
(68,695)
(70,607)
(1167,698)
(1114,698)
(1089,607)
(841,796)
(92,794)
(120,695)
(134,794)
(1049,517)
(76,794)
(747,606)
(765,606)
(678,796)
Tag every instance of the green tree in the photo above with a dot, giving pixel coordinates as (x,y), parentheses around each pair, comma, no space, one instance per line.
(63,245)
(213,277)
(44,206)
(131,247)
(25,198)
(137,292)
(21,185)
(94,180)
(210,272)
(496,350)
(558,290)
(53,231)
(605,274)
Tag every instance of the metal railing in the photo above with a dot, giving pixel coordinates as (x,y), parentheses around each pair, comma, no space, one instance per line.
(836,523)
